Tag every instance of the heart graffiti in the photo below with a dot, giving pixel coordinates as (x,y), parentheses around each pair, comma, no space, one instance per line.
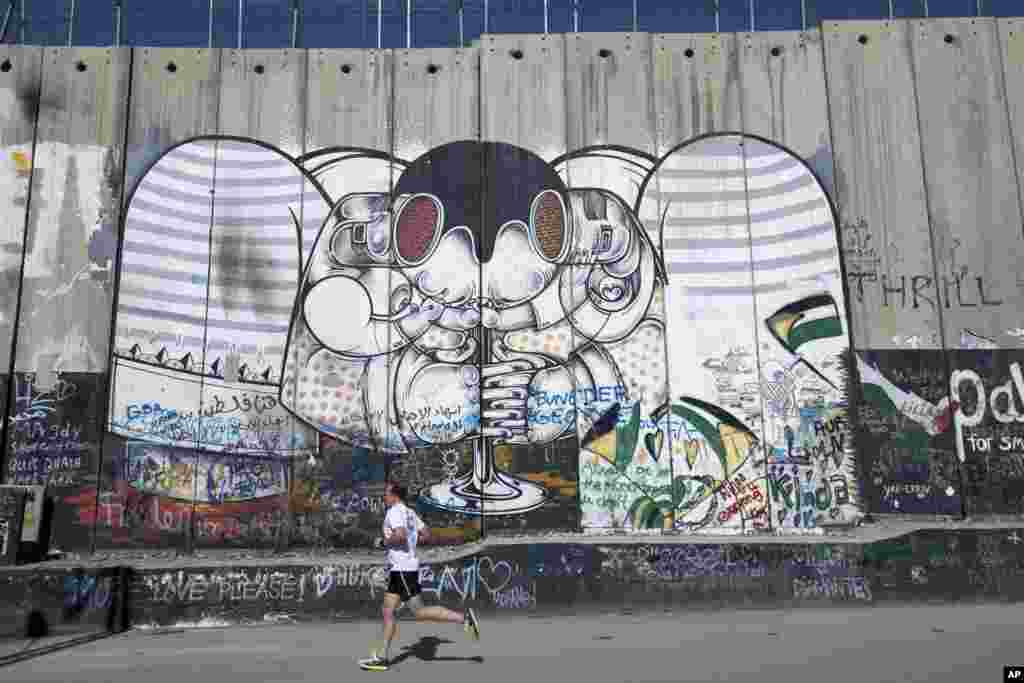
(490,578)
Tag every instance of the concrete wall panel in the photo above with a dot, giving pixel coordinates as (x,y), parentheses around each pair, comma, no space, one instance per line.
(612,131)
(69,268)
(975,212)
(20,86)
(796,260)
(336,497)
(265,215)
(905,452)
(696,86)
(155,424)
(435,141)
(698,195)
(967,153)
(524,82)
(785,96)
(68,285)
(523,92)
(436,99)
(880,185)
(1011,40)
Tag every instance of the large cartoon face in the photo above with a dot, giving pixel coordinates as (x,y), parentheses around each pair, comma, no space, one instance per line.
(474,234)
(474,239)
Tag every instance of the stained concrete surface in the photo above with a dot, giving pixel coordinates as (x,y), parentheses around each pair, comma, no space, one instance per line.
(941,643)
(880,528)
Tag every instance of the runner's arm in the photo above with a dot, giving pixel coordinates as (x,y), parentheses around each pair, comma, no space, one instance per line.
(423,531)
(397,538)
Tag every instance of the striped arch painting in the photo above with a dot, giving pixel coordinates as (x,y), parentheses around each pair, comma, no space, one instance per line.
(758,337)
(679,322)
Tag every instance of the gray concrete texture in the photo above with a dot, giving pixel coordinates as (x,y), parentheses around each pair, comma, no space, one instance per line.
(912,128)
(845,646)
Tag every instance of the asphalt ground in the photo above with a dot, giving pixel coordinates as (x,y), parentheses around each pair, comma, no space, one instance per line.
(966,643)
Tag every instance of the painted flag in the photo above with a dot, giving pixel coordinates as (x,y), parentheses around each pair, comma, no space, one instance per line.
(890,400)
(731,440)
(804,321)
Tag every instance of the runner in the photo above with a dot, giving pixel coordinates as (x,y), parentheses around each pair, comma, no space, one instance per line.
(403,528)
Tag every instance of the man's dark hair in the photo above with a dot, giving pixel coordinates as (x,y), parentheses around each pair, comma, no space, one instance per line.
(400,491)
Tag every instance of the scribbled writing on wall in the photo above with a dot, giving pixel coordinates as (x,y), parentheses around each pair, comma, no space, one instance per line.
(84,592)
(499,581)
(922,291)
(52,434)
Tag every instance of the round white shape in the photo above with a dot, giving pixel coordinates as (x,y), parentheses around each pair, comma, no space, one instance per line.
(337,311)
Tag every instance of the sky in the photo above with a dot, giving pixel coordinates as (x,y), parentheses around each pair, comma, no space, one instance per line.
(353,23)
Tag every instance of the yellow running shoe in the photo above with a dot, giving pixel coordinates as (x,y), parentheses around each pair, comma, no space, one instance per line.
(374,663)
(472,625)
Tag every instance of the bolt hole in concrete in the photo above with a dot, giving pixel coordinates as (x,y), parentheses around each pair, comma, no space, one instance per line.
(172,67)
(6,66)
(688,52)
(81,66)
(604,54)
(516,54)
(258,68)
(776,51)
(433,69)
(346,69)
(862,39)
(949,39)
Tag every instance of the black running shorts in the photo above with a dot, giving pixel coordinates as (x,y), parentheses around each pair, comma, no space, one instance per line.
(404,584)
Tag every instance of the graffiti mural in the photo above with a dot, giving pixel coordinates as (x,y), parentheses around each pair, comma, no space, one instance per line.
(682,329)
(755,313)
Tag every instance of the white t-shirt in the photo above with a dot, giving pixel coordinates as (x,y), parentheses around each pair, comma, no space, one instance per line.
(400,516)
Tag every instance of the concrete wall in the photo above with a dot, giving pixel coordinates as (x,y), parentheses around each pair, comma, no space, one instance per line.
(704,283)
(926,566)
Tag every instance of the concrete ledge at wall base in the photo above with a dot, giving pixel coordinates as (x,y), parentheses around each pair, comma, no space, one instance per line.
(41,610)
(539,579)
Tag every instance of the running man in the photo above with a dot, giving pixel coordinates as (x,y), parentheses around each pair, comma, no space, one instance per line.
(403,528)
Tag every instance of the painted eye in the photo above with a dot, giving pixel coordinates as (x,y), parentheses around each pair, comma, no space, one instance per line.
(417,229)
(612,293)
(612,290)
(549,225)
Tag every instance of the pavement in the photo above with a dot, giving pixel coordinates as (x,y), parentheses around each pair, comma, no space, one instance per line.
(860,645)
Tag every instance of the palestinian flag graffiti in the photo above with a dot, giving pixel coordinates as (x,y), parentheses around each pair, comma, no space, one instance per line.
(809,319)
(890,400)
(805,321)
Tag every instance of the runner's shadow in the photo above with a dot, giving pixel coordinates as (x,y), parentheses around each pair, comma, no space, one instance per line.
(425,649)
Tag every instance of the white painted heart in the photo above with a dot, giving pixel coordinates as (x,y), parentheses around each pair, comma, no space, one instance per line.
(492,571)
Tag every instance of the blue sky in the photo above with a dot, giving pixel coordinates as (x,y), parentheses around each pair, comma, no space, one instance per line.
(353,23)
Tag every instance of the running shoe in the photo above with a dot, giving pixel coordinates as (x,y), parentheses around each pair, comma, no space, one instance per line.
(472,625)
(374,663)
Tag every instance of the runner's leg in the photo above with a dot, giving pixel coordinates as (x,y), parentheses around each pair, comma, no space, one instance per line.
(437,613)
(391,602)
(411,586)
(441,614)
